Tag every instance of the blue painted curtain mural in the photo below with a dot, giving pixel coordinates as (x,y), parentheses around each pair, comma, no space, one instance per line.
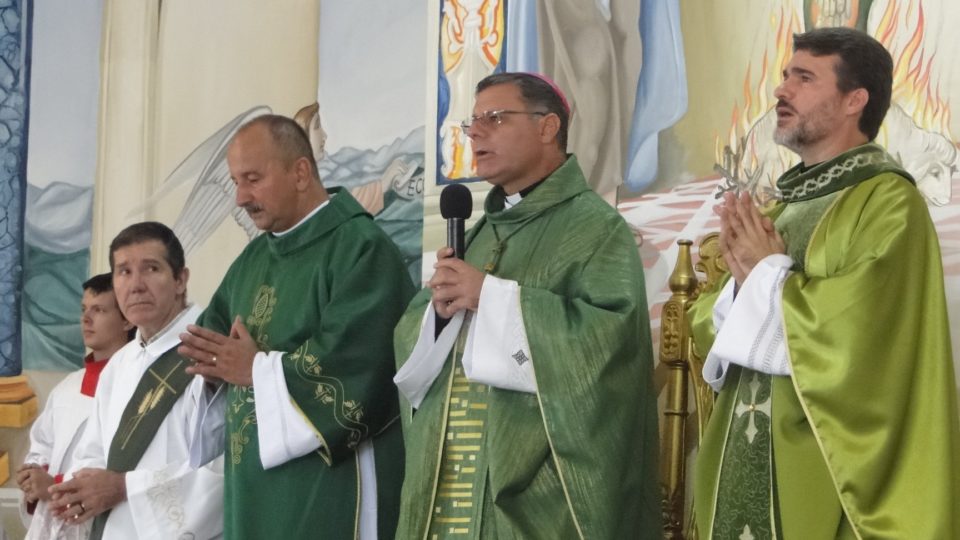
(14,85)
(60,166)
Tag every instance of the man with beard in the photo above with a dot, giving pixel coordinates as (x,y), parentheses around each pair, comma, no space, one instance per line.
(829,343)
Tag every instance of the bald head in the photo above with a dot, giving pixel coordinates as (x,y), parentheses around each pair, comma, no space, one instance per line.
(289,140)
(273,169)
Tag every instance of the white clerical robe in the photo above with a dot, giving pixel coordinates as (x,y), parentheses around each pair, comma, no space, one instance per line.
(53,437)
(166,498)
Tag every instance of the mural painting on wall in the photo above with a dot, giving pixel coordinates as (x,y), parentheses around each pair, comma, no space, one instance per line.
(14,71)
(60,170)
(918,130)
(472,43)
(370,92)
(213,195)
(381,166)
(589,48)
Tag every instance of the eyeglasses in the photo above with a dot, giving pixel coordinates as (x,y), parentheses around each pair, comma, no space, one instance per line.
(493,118)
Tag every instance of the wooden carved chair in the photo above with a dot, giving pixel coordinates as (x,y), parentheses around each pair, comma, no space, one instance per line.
(684,366)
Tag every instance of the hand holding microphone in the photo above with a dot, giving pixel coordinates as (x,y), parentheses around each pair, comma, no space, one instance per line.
(456,285)
(456,205)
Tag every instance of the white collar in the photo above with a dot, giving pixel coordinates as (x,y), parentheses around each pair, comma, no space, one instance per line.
(169,336)
(305,218)
(512,200)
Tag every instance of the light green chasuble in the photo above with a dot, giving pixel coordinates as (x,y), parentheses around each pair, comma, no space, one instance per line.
(327,293)
(864,436)
(578,458)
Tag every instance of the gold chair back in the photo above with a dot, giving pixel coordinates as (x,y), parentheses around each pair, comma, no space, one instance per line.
(684,364)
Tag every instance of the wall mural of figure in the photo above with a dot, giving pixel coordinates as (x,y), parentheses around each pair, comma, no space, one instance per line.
(661,98)
(471,44)
(621,100)
(212,195)
(581,50)
(370,99)
(387,182)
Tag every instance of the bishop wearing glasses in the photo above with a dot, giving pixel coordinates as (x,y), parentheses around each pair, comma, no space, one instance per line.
(532,413)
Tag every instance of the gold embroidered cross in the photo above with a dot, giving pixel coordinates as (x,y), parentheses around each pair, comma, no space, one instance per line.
(162,381)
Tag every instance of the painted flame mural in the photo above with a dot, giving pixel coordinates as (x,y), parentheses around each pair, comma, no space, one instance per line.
(916,130)
(471,45)
(737,71)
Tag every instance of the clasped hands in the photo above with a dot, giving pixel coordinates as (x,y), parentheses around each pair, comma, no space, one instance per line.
(88,493)
(219,358)
(746,236)
(34,481)
(456,285)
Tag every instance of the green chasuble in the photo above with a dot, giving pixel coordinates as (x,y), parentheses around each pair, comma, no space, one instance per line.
(865,433)
(578,458)
(328,294)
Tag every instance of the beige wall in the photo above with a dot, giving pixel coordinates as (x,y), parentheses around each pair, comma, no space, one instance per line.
(174,77)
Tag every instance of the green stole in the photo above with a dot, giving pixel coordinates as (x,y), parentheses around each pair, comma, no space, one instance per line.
(160,386)
(746,493)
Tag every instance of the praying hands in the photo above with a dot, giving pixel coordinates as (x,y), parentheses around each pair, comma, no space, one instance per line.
(746,236)
(218,357)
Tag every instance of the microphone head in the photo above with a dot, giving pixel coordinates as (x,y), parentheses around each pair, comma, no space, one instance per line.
(456,201)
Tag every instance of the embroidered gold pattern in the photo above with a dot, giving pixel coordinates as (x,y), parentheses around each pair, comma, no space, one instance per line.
(329,391)
(262,313)
(242,397)
(148,403)
(458,502)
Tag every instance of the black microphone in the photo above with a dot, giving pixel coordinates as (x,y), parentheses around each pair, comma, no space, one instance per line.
(456,205)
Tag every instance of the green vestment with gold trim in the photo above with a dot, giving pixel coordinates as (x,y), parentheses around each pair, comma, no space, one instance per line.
(328,294)
(578,459)
(865,433)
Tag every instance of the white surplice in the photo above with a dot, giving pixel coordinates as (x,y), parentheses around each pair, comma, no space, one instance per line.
(166,498)
(53,437)
(749,324)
